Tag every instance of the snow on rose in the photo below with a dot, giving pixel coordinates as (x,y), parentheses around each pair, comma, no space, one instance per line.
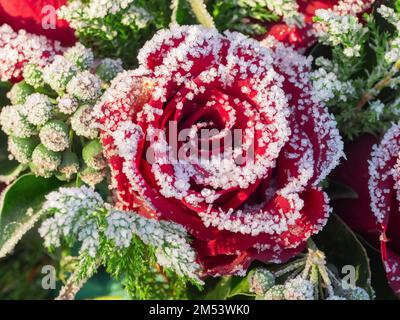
(264,209)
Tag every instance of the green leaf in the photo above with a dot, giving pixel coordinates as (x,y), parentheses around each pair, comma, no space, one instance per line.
(240,286)
(220,290)
(342,248)
(20,205)
(337,190)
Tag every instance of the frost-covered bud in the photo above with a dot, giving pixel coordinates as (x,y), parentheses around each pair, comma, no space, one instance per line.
(357,293)
(92,154)
(14,123)
(333,297)
(33,75)
(59,73)
(85,86)
(260,280)
(39,109)
(54,135)
(69,166)
(22,148)
(80,56)
(108,69)
(91,176)
(44,161)
(67,104)
(19,92)
(299,289)
(275,293)
(82,122)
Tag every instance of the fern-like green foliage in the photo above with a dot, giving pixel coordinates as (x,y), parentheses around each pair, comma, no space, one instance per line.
(153,259)
(249,17)
(355,74)
(117,32)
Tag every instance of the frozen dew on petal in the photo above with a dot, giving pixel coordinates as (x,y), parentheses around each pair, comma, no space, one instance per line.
(18,49)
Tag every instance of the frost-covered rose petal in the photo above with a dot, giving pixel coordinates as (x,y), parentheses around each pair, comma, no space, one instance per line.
(17,49)
(384,188)
(236,212)
(33,15)
(303,36)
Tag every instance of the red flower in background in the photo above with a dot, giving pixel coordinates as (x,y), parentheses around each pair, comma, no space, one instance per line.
(29,14)
(19,48)
(384,188)
(373,171)
(236,213)
(353,173)
(303,37)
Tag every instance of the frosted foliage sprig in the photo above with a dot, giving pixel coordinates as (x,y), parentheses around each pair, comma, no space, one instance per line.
(364,61)
(79,214)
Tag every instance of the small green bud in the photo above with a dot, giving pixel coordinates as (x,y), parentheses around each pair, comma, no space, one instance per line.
(59,73)
(22,148)
(54,135)
(44,161)
(275,293)
(299,289)
(85,86)
(260,280)
(80,56)
(39,109)
(335,298)
(14,123)
(91,176)
(67,104)
(108,69)
(92,154)
(69,166)
(82,122)
(357,293)
(19,92)
(33,75)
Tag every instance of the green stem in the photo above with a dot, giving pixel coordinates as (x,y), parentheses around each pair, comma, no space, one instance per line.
(311,244)
(200,10)
(174,7)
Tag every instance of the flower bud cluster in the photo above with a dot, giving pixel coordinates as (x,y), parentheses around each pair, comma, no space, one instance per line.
(49,122)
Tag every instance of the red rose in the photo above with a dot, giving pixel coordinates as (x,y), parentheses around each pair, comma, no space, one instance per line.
(18,49)
(384,188)
(303,37)
(353,172)
(196,78)
(29,15)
